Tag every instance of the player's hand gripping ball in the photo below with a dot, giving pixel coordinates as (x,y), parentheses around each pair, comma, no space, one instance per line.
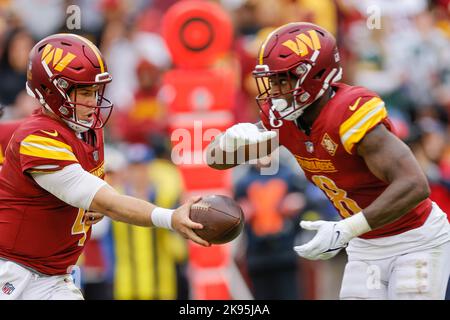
(222,218)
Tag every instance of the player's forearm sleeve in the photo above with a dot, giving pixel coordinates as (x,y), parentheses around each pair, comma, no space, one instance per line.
(72,184)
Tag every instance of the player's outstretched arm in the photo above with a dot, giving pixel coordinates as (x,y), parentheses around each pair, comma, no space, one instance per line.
(239,144)
(142,213)
(80,189)
(389,159)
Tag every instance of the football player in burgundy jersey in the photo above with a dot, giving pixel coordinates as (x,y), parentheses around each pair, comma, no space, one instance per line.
(396,238)
(53,173)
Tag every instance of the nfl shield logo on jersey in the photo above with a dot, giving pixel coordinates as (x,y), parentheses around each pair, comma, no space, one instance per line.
(8,288)
(95,155)
(309,146)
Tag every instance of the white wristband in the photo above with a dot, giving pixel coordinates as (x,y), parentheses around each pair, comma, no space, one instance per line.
(162,218)
(357,224)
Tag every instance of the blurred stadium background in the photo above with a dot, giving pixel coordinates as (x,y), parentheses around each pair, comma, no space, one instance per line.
(399,48)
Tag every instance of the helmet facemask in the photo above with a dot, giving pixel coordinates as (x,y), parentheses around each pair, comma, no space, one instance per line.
(101,111)
(286,101)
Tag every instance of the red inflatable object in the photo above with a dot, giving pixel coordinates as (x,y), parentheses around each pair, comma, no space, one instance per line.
(197,33)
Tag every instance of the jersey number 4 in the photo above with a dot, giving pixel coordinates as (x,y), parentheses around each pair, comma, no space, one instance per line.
(338,197)
(79,227)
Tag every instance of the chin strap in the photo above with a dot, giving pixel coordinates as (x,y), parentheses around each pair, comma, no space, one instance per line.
(75,127)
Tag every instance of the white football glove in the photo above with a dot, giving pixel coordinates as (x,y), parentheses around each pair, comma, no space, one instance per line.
(242,134)
(331,236)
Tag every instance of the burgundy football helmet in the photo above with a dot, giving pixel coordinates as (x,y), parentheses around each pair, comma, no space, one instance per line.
(64,62)
(301,52)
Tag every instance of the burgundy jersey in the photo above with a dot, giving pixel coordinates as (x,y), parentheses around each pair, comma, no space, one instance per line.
(37,229)
(6,131)
(329,159)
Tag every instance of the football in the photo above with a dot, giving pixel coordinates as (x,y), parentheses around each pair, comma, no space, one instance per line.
(222,218)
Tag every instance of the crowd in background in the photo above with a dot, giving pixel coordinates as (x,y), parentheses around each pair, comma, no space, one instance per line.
(403,54)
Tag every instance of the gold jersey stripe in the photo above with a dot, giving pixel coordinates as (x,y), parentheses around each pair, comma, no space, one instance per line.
(47,142)
(46,148)
(46,154)
(359,115)
(364,123)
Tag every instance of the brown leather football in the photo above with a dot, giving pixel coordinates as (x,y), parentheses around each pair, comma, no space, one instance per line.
(222,218)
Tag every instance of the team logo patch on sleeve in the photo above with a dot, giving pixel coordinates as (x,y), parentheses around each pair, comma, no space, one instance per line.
(329,144)
(8,288)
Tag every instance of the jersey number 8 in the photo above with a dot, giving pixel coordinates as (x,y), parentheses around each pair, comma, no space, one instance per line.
(338,197)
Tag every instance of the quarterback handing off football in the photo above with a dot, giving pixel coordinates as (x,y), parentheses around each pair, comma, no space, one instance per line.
(222,218)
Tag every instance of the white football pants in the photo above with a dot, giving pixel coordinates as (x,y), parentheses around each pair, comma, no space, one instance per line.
(421,275)
(18,283)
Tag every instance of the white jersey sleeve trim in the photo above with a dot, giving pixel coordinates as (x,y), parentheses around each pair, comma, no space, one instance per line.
(72,184)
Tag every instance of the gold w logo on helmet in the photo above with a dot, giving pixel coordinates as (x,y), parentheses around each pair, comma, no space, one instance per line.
(55,55)
(303,42)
